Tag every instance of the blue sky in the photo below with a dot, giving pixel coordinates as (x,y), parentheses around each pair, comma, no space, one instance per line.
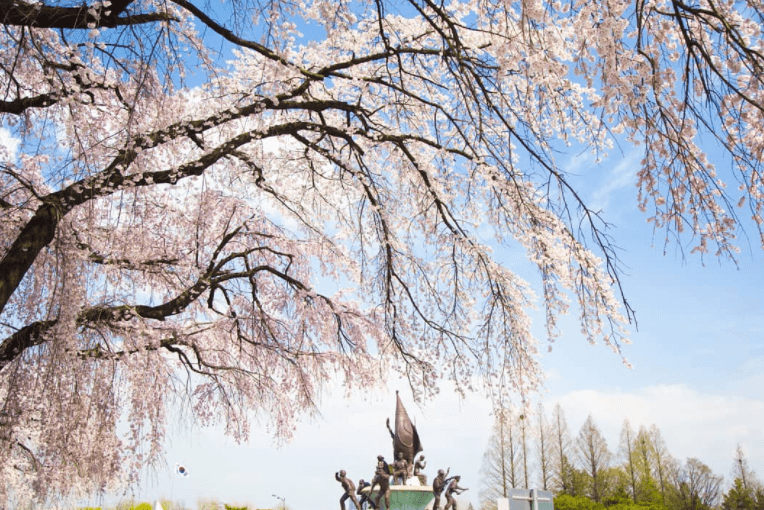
(698,358)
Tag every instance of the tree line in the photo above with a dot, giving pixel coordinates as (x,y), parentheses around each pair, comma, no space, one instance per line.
(585,474)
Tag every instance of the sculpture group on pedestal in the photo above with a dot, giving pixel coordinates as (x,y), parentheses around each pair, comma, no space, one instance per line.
(406,445)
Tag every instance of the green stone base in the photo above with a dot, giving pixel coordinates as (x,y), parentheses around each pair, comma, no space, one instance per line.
(406,497)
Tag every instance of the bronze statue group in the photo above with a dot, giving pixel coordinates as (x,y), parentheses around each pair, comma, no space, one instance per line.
(400,473)
(406,445)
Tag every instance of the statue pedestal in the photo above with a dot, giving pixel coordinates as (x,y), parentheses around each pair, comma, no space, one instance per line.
(405,497)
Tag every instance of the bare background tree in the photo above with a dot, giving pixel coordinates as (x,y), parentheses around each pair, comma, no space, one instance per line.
(596,483)
(627,456)
(563,452)
(697,488)
(544,449)
(594,458)
(500,469)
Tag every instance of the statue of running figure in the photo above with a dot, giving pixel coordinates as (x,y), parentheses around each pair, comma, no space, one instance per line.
(453,488)
(349,487)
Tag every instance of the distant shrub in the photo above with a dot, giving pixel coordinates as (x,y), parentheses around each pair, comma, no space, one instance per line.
(566,502)
(128,505)
(208,504)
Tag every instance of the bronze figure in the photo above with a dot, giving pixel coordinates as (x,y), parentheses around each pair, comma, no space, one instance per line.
(418,467)
(438,484)
(400,470)
(349,487)
(362,484)
(381,478)
(453,488)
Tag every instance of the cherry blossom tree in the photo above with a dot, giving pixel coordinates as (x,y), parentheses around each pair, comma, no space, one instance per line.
(204,207)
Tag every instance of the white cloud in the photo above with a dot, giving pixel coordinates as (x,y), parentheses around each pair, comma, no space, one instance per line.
(621,176)
(9,145)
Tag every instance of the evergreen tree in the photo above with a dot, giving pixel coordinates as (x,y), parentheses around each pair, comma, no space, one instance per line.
(647,489)
(758,500)
(615,486)
(746,491)
(738,497)
(579,481)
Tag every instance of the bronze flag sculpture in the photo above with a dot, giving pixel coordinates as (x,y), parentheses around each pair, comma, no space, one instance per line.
(405,438)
